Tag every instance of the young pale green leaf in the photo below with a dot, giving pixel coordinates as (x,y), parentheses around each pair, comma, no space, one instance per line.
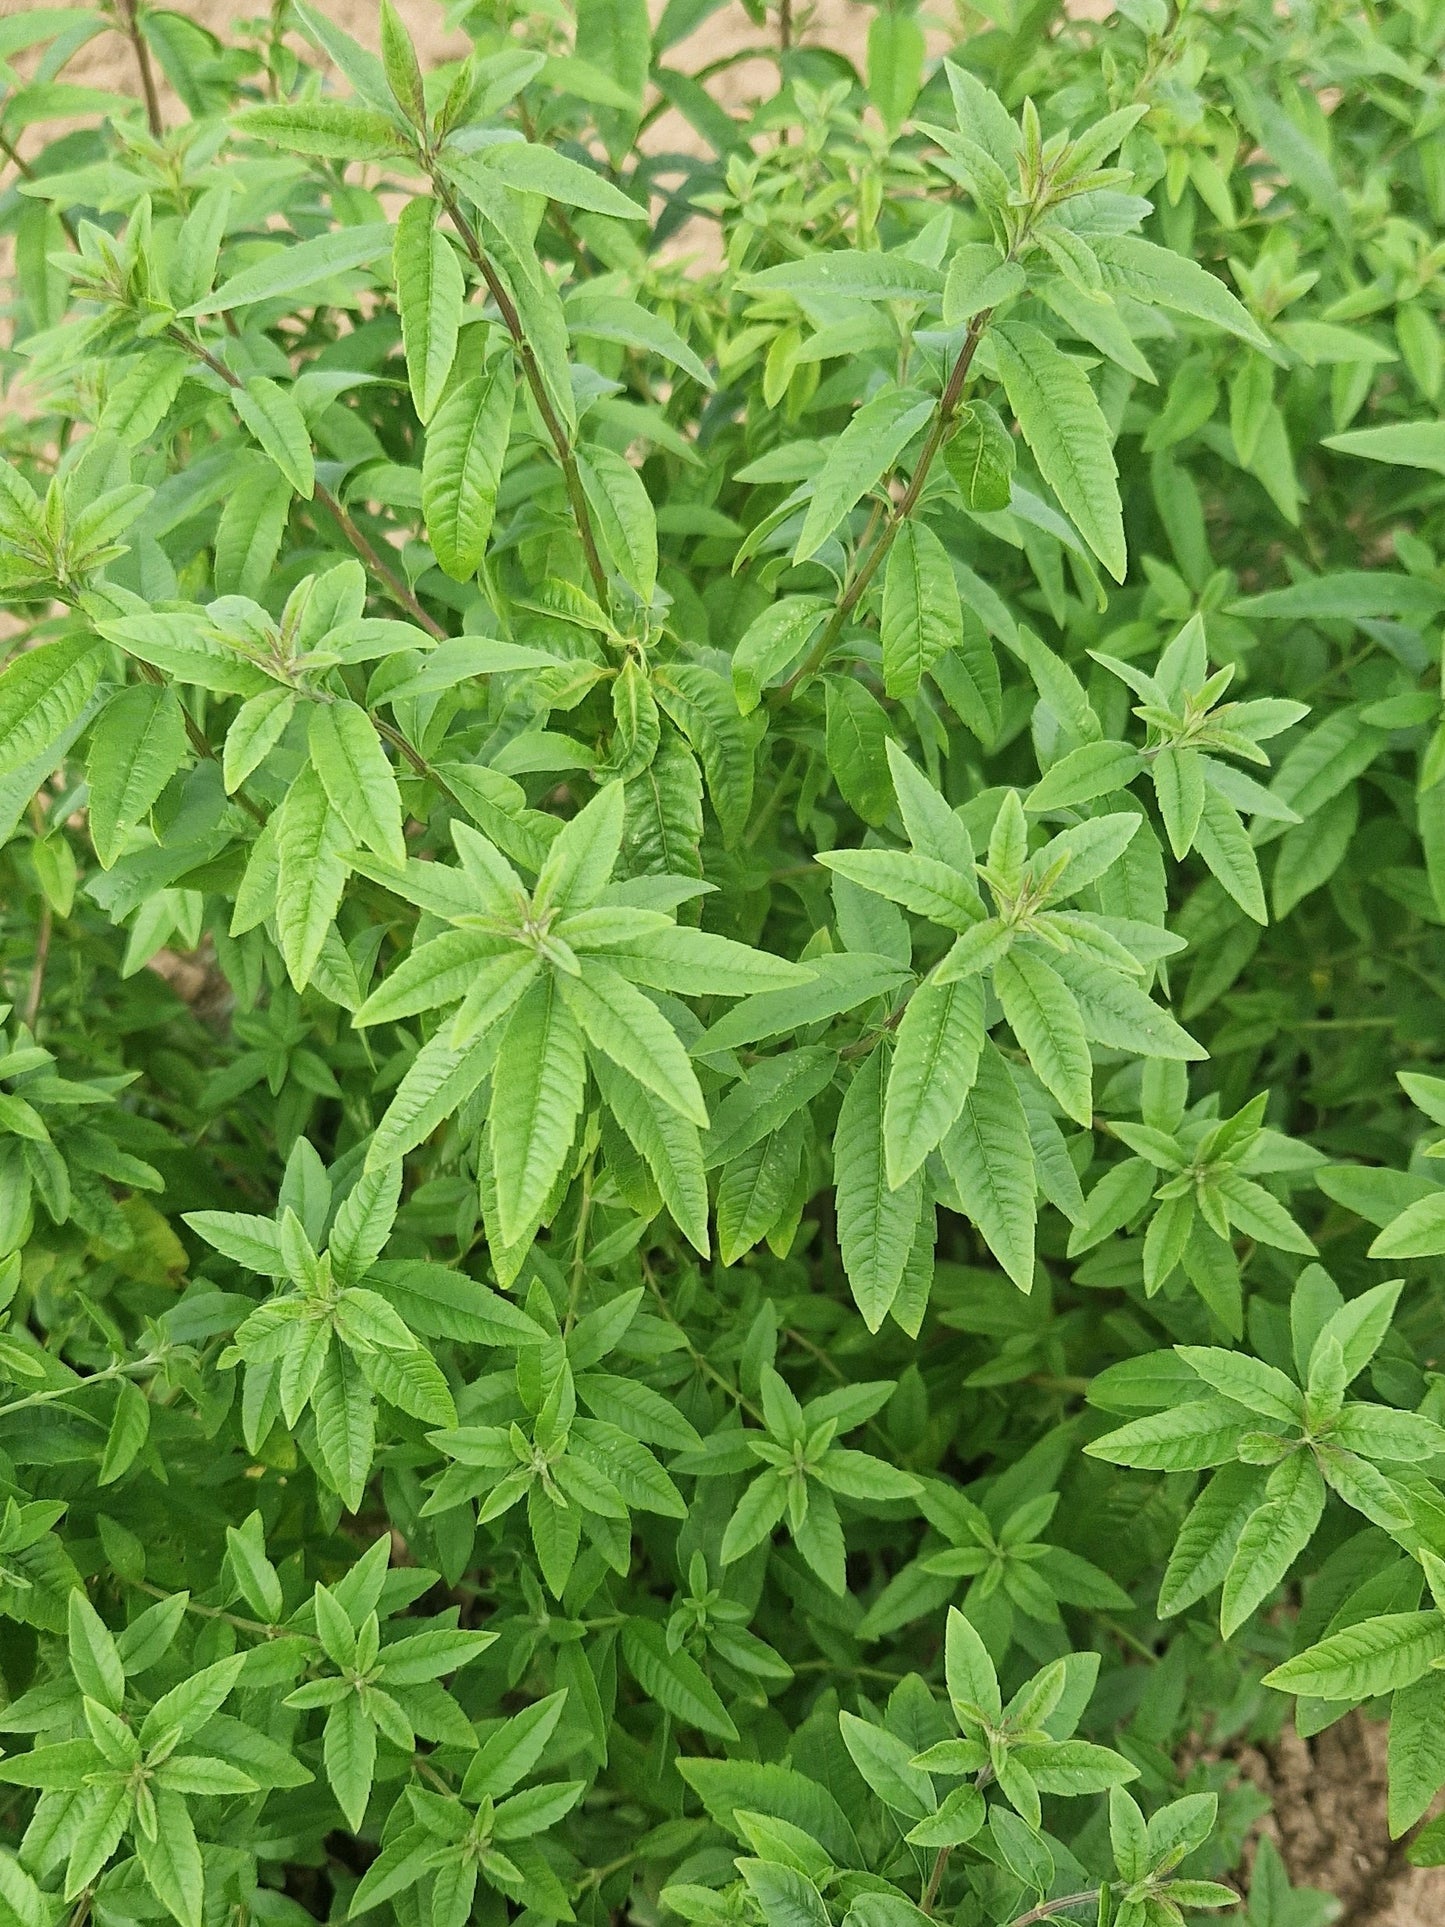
(430,290)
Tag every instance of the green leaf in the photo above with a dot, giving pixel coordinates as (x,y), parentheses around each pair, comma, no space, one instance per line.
(329,129)
(628,1028)
(1205,1543)
(876,1222)
(857,739)
(1363,1661)
(42,693)
(866,450)
(537,1094)
(349,1752)
(1198,1433)
(854,275)
(171,1861)
(1221,840)
(1416,1750)
(1065,428)
(1407,444)
(991,1165)
(921,612)
(1045,1019)
(934,1065)
(624,513)
(1274,1536)
(1092,770)
(533,169)
(347,756)
(770,643)
(311,835)
(466,445)
(430,290)
(278,425)
(296,270)
(674,1680)
(785,1896)
(1169,280)
(129,1428)
(256,728)
(136,746)
(94,1660)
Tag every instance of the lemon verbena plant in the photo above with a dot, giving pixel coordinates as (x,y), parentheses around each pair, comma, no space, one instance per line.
(723,814)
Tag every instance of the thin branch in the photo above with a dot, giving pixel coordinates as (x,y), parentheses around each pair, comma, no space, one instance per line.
(130,21)
(200,742)
(935,1880)
(551,421)
(396,589)
(938,433)
(387,576)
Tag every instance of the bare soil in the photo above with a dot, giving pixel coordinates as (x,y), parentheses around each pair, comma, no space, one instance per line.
(1329,1825)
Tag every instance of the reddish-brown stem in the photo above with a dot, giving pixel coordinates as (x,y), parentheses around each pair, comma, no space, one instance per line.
(199,741)
(396,589)
(551,421)
(131,23)
(387,576)
(938,433)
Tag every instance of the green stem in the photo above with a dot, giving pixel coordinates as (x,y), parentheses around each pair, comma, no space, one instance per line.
(211,1612)
(935,1880)
(700,1359)
(132,1370)
(1049,1908)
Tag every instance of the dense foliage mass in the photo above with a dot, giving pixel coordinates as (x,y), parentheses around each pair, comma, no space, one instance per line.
(724,871)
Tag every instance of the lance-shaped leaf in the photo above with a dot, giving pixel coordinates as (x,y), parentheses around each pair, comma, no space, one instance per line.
(876,1222)
(466,445)
(537,1093)
(430,290)
(1065,428)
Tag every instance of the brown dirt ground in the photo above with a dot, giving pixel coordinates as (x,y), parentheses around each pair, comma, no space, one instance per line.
(1329,1825)
(1329,1792)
